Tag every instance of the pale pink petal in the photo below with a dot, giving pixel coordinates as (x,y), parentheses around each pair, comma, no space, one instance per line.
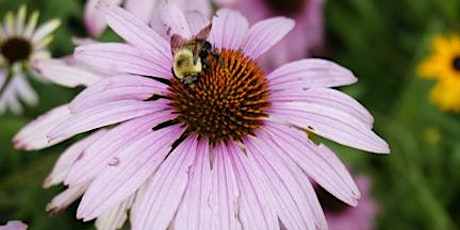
(117,88)
(127,172)
(102,115)
(289,197)
(63,73)
(33,135)
(94,20)
(65,198)
(99,154)
(309,73)
(67,158)
(255,212)
(225,197)
(123,58)
(141,9)
(317,163)
(229,29)
(265,34)
(327,97)
(194,212)
(164,194)
(14,225)
(136,32)
(196,21)
(115,217)
(2,77)
(173,18)
(330,123)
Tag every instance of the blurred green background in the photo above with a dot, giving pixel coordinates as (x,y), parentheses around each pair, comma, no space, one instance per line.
(417,186)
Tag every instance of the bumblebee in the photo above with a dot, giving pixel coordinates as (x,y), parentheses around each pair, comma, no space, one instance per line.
(190,56)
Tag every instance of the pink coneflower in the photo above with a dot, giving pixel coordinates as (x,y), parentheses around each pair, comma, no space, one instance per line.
(340,216)
(21,43)
(143,9)
(306,37)
(229,151)
(14,225)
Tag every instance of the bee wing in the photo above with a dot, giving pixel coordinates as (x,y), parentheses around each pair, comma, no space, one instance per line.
(204,33)
(176,43)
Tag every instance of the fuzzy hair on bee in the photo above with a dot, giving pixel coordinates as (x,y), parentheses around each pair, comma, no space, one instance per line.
(190,56)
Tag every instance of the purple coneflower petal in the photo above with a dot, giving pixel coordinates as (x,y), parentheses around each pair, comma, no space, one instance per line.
(327,97)
(141,8)
(194,212)
(65,198)
(122,58)
(229,29)
(45,29)
(255,212)
(117,88)
(309,73)
(285,180)
(99,154)
(102,115)
(14,224)
(265,34)
(174,20)
(330,123)
(328,173)
(135,32)
(196,21)
(225,194)
(164,193)
(127,172)
(61,73)
(33,135)
(94,20)
(115,217)
(68,157)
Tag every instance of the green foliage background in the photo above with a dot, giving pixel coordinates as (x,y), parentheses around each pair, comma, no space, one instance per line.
(417,186)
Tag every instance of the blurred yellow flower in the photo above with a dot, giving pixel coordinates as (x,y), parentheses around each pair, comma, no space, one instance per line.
(443,65)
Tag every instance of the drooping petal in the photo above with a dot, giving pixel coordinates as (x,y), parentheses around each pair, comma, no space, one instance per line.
(164,193)
(330,173)
(330,123)
(229,29)
(196,21)
(173,18)
(67,158)
(65,198)
(25,92)
(224,200)
(116,88)
(115,217)
(66,74)
(33,135)
(309,73)
(255,212)
(103,115)
(14,225)
(327,97)
(265,34)
(98,155)
(136,32)
(194,212)
(127,172)
(141,9)
(94,19)
(291,201)
(123,58)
